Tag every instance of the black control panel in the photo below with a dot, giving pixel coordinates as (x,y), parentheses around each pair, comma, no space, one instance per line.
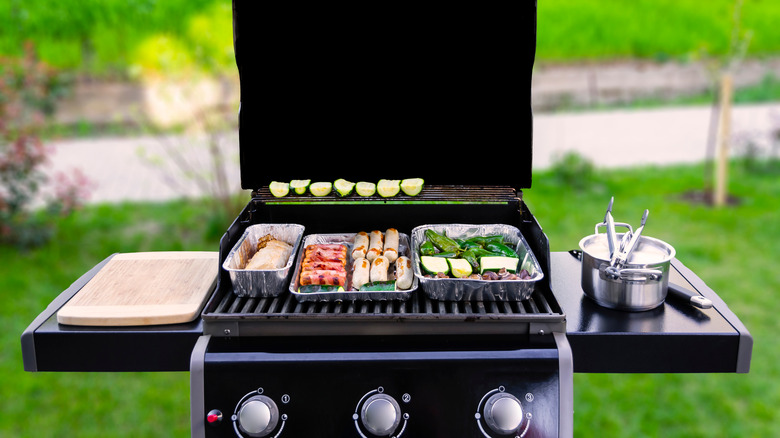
(384,393)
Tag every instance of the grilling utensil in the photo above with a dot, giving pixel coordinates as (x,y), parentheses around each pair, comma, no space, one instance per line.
(628,243)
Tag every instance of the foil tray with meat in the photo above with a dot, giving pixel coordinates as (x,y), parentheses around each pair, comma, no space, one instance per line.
(466,262)
(260,263)
(366,265)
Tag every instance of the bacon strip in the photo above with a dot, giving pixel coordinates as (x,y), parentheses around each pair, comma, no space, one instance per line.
(327,246)
(324,278)
(324,265)
(326,253)
(315,265)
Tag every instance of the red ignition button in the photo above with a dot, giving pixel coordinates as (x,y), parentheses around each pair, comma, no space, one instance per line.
(214,417)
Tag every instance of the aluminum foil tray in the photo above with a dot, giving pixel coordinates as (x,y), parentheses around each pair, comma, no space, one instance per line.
(404,248)
(464,289)
(267,282)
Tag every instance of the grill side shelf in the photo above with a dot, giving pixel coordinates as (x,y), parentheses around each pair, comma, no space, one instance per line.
(50,346)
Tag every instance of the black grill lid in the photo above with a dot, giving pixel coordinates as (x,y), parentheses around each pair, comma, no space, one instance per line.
(385,90)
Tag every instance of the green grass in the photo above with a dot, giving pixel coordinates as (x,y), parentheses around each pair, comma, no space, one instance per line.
(651,29)
(119,37)
(106,38)
(733,249)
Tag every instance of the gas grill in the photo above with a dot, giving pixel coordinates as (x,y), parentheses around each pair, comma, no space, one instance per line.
(389,93)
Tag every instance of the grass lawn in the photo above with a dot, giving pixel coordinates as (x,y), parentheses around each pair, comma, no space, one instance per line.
(733,249)
(652,29)
(100,38)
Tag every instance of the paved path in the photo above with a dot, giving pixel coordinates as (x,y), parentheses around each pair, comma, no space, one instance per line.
(638,137)
(608,138)
(143,168)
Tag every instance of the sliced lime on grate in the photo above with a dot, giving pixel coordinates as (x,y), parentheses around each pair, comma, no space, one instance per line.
(364,188)
(279,189)
(388,187)
(343,187)
(320,188)
(412,186)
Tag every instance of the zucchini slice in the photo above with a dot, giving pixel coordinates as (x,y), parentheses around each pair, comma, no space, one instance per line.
(496,263)
(434,265)
(459,267)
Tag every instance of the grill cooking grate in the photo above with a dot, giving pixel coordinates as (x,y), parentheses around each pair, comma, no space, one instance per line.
(229,315)
(449,194)
(287,306)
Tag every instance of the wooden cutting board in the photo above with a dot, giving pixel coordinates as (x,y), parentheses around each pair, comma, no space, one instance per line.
(145,288)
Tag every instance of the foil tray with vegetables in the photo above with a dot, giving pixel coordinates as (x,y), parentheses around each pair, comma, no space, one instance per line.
(465,262)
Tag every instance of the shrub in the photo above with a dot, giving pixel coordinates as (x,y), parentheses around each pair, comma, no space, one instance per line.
(28,92)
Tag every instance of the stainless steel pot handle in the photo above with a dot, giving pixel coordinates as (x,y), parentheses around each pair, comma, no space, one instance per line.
(626,273)
(617,224)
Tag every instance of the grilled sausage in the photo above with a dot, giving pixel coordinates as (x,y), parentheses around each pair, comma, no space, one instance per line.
(360,245)
(404,274)
(360,272)
(391,245)
(375,245)
(379,269)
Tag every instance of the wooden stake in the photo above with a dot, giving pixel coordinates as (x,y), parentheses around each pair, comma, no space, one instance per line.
(724,138)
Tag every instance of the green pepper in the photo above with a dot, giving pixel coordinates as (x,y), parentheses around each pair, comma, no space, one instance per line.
(476,240)
(469,256)
(470,244)
(497,238)
(483,241)
(481,252)
(427,248)
(441,241)
(447,255)
(501,249)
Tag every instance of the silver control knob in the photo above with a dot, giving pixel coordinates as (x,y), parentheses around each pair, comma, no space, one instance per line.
(503,413)
(258,416)
(380,414)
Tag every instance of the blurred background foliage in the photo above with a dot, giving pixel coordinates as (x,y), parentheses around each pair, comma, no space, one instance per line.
(121,38)
(653,29)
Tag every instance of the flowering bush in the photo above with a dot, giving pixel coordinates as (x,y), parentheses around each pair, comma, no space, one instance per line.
(28,92)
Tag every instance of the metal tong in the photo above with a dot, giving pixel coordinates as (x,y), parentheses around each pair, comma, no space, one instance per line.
(619,252)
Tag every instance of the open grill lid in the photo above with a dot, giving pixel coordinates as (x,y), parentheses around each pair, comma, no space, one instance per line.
(379,90)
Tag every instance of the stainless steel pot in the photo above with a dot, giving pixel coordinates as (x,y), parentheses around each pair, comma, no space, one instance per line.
(637,285)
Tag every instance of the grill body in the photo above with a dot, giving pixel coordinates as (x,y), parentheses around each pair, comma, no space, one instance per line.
(441,361)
